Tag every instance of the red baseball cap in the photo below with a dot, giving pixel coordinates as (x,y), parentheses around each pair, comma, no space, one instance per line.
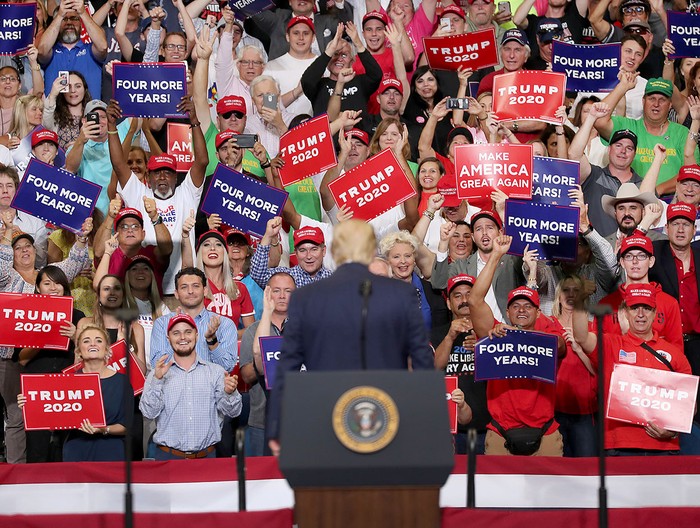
(140,257)
(232,231)
(128,212)
(462,278)
(455,10)
(231,103)
(181,318)
(524,293)
(640,294)
(223,137)
(447,187)
(308,234)
(359,134)
(390,83)
(687,172)
(486,213)
(301,20)
(382,17)
(44,135)
(212,233)
(637,241)
(681,210)
(162,161)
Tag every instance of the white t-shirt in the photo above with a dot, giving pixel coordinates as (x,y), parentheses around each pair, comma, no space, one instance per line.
(287,71)
(633,99)
(174,210)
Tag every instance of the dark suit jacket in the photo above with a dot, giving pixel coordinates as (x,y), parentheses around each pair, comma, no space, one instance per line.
(323,329)
(664,269)
(274,24)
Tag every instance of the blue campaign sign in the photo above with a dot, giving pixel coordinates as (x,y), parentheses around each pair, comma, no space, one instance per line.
(270,351)
(550,229)
(16,27)
(684,32)
(552,179)
(56,196)
(243,9)
(520,354)
(242,202)
(149,89)
(588,68)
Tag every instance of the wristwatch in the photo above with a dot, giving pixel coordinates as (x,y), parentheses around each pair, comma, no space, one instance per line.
(158,222)
(212,341)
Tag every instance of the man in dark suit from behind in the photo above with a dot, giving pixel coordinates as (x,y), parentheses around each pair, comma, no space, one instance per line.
(325,326)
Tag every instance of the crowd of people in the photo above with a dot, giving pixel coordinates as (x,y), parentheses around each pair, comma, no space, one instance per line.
(206,292)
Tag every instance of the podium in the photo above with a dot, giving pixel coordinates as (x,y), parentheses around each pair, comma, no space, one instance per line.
(366,448)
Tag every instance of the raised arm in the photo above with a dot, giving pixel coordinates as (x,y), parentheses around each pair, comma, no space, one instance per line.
(94,31)
(119,165)
(425,141)
(628,80)
(601,27)
(520,16)
(578,145)
(691,142)
(481,313)
(199,146)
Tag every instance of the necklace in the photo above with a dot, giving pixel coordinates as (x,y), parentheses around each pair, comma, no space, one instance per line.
(661,127)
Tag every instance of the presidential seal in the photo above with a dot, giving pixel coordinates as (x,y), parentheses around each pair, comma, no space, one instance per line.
(365,419)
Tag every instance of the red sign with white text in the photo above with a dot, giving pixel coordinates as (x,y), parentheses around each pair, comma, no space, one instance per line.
(482,168)
(180,145)
(62,401)
(641,395)
(117,363)
(373,187)
(34,321)
(528,95)
(450,385)
(472,50)
(307,150)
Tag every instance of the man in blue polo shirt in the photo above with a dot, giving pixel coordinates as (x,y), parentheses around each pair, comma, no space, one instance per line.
(60,47)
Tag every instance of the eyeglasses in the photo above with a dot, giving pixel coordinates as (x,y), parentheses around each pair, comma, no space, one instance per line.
(250,62)
(178,47)
(227,115)
(633,9)
(339,54)
(641,257)
(72,19)
(9,78)
(129,227)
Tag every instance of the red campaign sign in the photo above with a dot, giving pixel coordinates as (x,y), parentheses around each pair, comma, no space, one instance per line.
(528,95)
(373,187)
(62,401)
(641,395)
(117,363)
(471,50)
(307,150)
(180,145)
(28,326)
(450,385)
(482,168)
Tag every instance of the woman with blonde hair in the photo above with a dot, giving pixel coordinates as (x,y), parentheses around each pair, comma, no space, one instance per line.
(225,295)
(27,115)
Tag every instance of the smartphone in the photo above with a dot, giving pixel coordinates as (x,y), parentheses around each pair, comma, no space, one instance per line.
(63,75)
(93,117)
(270,101)
(504,7)
(445,24)
(246,140)
(456,103)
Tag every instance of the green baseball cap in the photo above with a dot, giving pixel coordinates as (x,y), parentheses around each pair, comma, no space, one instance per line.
(659,86)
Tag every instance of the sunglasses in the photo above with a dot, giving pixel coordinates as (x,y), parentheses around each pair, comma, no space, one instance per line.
(239,115)
(633,10)
(638,31)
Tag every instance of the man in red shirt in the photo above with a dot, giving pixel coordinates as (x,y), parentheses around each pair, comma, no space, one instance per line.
(636,258)
(516,403)
(634,347)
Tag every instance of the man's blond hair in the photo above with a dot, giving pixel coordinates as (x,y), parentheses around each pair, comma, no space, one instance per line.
(353,241)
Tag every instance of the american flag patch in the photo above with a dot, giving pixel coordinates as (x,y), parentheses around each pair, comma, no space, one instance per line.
(627,357)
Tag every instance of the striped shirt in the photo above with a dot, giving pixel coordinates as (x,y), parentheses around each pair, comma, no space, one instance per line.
(261,273)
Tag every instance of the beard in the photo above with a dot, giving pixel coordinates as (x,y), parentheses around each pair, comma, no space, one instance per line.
(69,36)
(163,196)
(185,353)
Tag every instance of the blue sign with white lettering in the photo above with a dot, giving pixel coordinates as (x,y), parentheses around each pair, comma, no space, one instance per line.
(243,9)
(149,89)
(56,196)
(588,67)
(552,179)
(270,351)
(550,229)
(684,32)
(16,27)
(241,201)
(520,354)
